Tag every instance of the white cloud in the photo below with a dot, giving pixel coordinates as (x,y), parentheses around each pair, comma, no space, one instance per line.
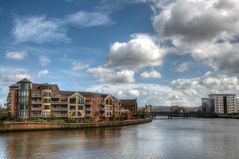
(39,29)
(206,30)
(77,66)
(196,88)
(185,92)
(108,75)
(88,19)
(154,94)
(43,73)
(150,75)
(16,55)
(141,51)
(44,60)
(183,67)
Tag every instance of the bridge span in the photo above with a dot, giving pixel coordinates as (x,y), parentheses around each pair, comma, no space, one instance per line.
(184,115)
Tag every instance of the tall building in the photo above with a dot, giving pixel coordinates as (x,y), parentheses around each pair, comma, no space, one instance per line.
(220,103)
(34,100)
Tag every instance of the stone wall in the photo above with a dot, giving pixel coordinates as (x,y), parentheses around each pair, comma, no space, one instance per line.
(21,126)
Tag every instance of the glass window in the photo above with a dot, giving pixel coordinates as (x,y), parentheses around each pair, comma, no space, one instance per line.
(81,100)
(73,100)
(72,107)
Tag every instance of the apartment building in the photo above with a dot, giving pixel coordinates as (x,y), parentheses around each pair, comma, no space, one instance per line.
(220,103)
(33,100)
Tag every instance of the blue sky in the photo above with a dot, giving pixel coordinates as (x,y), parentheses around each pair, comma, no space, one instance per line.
(161,52)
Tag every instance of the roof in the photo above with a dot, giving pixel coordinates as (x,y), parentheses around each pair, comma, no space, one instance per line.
(25,80)
(128,101)
(13,86)
(38,85)
(66,93)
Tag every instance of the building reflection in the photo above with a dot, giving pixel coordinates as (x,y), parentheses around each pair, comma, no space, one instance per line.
(44,144)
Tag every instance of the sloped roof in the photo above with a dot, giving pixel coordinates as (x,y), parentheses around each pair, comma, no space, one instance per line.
(25,80)
(38,85)
(128,101)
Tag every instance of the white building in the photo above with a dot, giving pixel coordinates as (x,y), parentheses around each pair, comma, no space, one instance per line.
(221,103)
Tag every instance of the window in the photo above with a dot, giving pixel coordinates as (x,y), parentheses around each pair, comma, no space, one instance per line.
(73,100)
(72,107)
(81,100)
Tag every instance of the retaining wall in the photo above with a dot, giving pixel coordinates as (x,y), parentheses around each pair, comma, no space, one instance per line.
(28,126)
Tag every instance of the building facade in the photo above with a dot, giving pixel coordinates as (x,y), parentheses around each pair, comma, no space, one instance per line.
(130,104)
(32,100)
(220,103)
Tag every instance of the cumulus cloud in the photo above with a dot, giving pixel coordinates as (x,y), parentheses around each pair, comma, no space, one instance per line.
(112,76)
(141,51)
(183,67)
(207,84)
(154,94)
(77,66)
(184,92)
(16,55)
(207,30)
(150,75)
(88,19)
(43,73)
(44,60)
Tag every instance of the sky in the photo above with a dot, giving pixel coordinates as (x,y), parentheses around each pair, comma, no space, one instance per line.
(162,52)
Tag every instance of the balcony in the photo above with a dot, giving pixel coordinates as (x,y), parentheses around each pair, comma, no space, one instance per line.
(88,108)
(36,115)
(59,102)
(36,108)
(102,108)
(88,103)
(103,103)
(59,109)
(55,95)
(102,115)
(36,95)
(59,115)
(36,102)
(88,115)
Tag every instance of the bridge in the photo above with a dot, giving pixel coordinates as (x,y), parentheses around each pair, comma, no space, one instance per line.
(184,115)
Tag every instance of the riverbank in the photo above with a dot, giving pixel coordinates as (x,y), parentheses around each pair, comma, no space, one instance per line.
(32,126)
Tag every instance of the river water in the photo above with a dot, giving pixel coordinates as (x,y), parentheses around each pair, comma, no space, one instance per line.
(161,139)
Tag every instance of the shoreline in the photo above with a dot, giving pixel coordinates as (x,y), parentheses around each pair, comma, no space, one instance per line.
(37,126)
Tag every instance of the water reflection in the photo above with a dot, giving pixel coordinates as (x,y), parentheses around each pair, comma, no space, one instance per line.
(177,138)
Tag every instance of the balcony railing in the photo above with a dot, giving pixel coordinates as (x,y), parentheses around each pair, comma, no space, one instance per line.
(102,115)
(88,103)
(36,115)
(102,103)
(89,109)
(59,109)
(36,95)
(59,115)
(88,115)
(59,102)
(36,108)
(102,108)
(36,102)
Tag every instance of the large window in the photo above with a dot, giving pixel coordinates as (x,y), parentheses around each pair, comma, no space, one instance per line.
(81,100)
(73,100)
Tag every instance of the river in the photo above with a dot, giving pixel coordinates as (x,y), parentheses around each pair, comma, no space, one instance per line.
(161,139)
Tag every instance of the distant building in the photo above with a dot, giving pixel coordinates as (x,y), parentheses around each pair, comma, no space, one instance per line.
(148,108)
(130,104)
(220,103)
(177,109)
